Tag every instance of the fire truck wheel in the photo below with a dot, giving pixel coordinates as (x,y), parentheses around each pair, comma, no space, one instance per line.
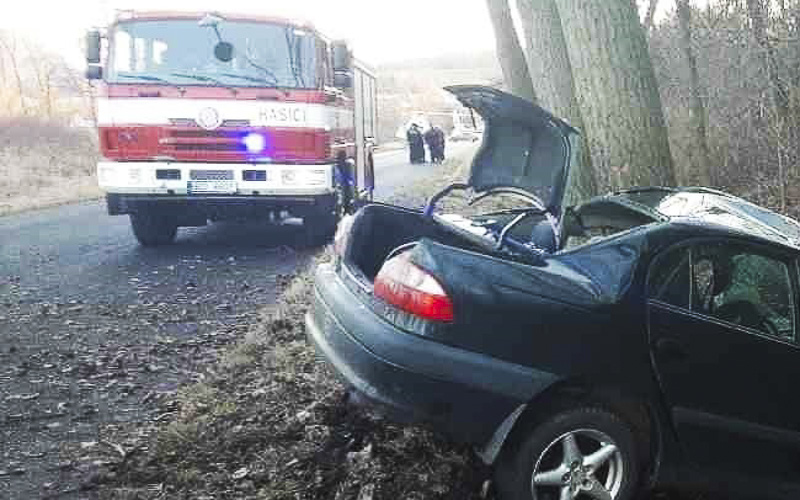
(153,229)
(321,228)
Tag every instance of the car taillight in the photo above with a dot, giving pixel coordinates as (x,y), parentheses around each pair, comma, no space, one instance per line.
(411,289)
(342,234)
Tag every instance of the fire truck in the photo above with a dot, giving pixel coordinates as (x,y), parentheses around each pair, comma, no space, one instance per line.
(207,116)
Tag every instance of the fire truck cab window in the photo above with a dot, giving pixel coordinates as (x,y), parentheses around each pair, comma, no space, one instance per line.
(181,52)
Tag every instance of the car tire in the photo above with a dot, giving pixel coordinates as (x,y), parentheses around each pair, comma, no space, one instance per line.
(153,230)
(540,467)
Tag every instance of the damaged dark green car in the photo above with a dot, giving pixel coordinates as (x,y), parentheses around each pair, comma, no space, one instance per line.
(643,339)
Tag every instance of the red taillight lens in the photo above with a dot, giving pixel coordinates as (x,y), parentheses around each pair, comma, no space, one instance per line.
(411,289)
(342,234)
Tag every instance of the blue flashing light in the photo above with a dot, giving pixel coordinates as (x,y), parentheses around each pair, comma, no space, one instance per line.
(255,143)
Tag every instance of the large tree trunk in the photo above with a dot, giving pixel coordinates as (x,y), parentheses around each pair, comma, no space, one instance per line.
(509,50)
(617,92)
(551,72)
(701,157)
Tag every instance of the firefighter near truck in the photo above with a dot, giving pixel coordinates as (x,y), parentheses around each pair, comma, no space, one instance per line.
(206,117)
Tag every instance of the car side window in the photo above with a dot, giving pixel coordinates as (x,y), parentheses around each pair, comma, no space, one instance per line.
(669,278)
(743,287)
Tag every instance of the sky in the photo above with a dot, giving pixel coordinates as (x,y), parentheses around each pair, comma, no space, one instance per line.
(380,31)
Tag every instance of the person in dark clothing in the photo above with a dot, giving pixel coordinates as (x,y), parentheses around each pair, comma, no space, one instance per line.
(434,137)
(416,145)
(439,141)
(431,141)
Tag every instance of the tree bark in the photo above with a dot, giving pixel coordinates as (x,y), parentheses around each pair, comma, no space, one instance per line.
(551,72)
(509,50)
(617,93)
(701,156)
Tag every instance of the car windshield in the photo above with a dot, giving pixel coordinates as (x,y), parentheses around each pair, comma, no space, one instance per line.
(182,52)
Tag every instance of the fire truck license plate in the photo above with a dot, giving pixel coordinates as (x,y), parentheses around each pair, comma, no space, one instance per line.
(220,186)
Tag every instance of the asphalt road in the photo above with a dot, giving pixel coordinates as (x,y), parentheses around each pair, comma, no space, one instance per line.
(94,327)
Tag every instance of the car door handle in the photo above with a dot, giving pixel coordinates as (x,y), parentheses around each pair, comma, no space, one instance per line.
(668,349)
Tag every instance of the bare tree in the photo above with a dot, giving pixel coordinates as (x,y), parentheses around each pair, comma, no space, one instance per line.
(758,14)
(42,67)
(9,45)
(702,159)
(509,50)
(617,92)
(551,72)
(650,16)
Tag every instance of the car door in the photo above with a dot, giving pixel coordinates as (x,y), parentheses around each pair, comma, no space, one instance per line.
(722,322)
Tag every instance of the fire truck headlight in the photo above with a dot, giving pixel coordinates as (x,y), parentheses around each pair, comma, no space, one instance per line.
(289,177)
(106,175)
(317,177)
(134,175)
(255,143)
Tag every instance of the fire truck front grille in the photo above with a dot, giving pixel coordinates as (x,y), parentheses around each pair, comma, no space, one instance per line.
(197,139)
(189,122)
(211,175)
(209,147)
(200,133)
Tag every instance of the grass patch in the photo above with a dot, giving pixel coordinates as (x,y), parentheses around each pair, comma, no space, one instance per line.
(44,164)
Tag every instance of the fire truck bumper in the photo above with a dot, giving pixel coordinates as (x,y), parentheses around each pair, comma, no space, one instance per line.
(195,192)
(212,179)
(192,210)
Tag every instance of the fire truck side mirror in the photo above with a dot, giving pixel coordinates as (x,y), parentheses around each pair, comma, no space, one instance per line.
(93,47)
(343,79)
(342,58)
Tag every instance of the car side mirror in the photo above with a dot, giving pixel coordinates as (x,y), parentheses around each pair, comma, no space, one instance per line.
(94,72)
(342,58)
(343,79)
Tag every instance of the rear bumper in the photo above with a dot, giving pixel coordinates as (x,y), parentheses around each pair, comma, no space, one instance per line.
(464,394)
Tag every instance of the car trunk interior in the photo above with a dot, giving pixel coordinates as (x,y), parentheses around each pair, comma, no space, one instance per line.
(380,229)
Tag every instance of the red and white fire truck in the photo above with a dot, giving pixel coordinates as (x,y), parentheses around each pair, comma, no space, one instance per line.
(208,116)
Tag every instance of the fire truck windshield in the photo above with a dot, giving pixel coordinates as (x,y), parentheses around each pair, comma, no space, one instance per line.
(181,52)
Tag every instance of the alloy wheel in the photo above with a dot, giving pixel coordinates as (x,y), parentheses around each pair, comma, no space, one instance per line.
(581,464)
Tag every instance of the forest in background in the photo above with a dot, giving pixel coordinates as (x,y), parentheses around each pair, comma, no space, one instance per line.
(707,94)
(727,74)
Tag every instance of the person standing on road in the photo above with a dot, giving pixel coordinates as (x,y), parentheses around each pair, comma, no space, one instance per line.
(430,140)
(434,137)
(415,144)
(439,141)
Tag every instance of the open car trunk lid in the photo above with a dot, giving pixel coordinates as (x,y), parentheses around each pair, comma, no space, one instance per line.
(524,147)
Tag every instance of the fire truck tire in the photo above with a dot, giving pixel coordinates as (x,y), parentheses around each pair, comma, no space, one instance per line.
(153,230)
(321,228)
